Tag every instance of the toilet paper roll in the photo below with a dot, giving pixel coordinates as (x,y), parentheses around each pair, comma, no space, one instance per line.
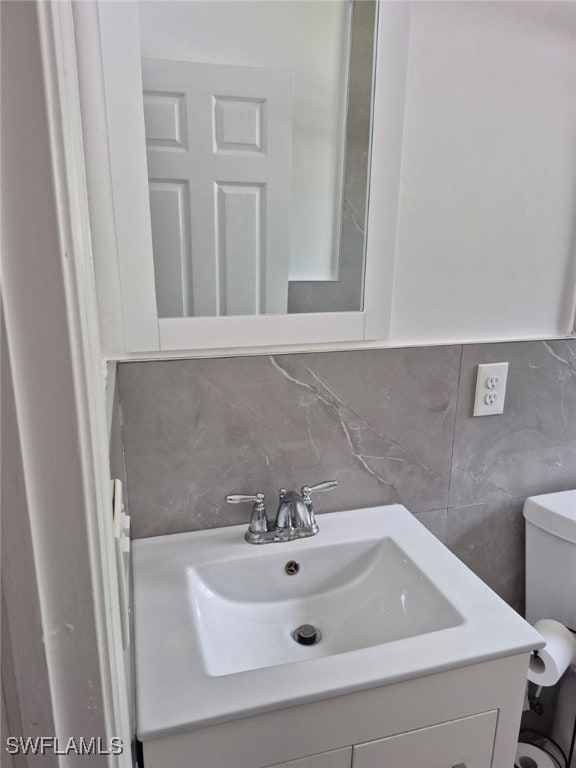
(549,664)
(529,756)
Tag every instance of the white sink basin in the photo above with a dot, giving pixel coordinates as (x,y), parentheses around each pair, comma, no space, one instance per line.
(213,617)
(357,594)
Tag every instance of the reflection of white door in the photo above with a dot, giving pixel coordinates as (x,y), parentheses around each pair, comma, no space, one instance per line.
(219,161)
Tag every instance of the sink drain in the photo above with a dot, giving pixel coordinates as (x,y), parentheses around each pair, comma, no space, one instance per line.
(306,634)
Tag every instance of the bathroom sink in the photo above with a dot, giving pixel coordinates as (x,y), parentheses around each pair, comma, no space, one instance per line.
(217,621)
(357,594)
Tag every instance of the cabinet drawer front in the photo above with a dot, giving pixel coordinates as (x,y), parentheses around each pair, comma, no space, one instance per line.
(467,742)
(337,758)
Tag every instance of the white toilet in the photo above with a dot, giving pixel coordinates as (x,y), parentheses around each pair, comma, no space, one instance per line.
(551,585)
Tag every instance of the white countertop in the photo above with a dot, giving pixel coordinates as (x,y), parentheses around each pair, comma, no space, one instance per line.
(175,693)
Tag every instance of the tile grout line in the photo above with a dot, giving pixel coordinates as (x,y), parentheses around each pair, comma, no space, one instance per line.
(484,502)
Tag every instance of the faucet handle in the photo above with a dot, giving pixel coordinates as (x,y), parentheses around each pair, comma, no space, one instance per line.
(258,521)
(327,485)
(239,498)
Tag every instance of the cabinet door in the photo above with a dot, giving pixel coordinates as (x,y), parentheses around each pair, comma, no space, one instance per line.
(337,758)
(465,743)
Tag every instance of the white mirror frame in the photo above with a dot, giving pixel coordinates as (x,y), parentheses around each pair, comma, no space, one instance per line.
(144,331)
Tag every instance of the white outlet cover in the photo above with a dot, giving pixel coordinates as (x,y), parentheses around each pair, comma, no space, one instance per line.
(485,373)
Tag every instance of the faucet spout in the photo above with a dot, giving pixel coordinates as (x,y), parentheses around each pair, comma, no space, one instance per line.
(295,514)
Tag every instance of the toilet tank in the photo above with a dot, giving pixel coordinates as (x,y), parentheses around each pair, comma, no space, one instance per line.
(551,557)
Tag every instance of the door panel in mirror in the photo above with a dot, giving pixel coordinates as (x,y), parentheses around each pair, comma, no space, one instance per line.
(267,215)
(219,183)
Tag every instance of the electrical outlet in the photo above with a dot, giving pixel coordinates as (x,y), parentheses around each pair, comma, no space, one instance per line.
(490,389)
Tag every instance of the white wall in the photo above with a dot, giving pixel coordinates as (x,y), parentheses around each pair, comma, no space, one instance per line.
(26,703)
(487,205)
(309,38)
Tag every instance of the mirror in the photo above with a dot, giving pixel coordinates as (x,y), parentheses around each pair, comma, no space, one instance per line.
(258,121)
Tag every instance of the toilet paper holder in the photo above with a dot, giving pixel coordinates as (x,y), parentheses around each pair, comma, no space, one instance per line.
(547,666)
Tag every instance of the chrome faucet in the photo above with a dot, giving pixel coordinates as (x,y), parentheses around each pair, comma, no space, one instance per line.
(294,519)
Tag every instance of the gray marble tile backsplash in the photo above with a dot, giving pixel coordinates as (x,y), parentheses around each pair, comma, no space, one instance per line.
(531,448)
(390,425)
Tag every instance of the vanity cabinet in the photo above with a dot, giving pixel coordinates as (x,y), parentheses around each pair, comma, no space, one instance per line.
(461,718)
